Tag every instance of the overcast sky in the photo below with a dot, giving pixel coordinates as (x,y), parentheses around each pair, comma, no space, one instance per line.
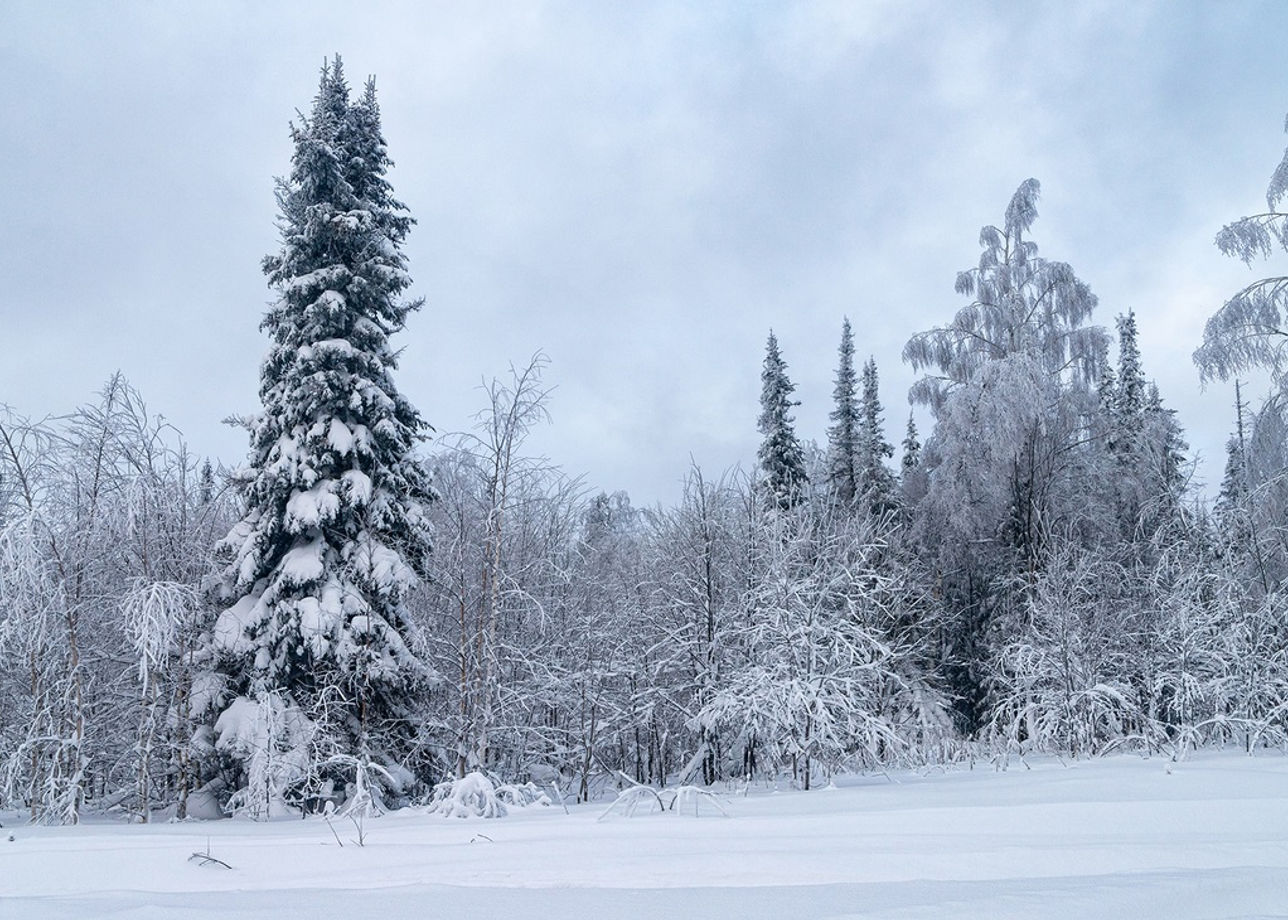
(640,190)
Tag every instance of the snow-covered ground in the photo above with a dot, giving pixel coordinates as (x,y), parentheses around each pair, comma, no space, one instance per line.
(1118,838)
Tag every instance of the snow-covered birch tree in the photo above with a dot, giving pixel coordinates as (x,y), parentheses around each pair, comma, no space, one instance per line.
(1009,385)
(825,677)
(1250,331)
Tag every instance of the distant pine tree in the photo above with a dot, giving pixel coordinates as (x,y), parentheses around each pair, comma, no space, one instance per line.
(1106,393)
(206,486)
(1234,484)
(335,530)
(1145,440)
(911,450)
(1127,405)
(913,481)
(782,461)
(842,436)
(1167,448)
(876,483)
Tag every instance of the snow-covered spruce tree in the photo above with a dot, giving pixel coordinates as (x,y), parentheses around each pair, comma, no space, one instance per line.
(335,531)
(1234,482)
(782,461)
(912,475)
(1145,442)
(842,435)
(1164,463)
(1127,402)
(876,482)
(1233,510)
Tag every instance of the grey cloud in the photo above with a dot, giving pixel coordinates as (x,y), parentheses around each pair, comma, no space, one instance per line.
(639,190)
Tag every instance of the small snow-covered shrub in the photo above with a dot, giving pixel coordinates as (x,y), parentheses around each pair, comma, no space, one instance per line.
(474,795)
(364,785)
(629,802)
(544,775)
(693,800)
(274,739)
(203,803)
(521,796)
(685,800)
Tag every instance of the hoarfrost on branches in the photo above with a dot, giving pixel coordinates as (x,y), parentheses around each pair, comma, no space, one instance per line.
(1251,330)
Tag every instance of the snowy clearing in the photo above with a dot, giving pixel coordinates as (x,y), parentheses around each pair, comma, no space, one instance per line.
(1116,838)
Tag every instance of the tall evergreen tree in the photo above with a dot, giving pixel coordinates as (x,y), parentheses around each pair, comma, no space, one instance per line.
(842,436)
(1166,446)
(876,482)
(1127,407)
(1106,393)
(1234,484)
(782,461)
(912,474)
(911,450)
(1145,441)
(335,531)
(207,487)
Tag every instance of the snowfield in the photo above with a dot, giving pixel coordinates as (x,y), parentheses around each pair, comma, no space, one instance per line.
(1124,837)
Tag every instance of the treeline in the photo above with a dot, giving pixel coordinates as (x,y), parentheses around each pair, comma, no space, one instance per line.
(355,622)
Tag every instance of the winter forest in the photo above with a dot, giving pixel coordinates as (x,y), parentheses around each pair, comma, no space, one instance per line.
(366,614)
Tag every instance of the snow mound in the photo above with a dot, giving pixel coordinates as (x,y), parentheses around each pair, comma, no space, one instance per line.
(475,795)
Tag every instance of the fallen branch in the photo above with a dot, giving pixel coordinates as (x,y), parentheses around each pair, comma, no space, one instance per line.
(206,860)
